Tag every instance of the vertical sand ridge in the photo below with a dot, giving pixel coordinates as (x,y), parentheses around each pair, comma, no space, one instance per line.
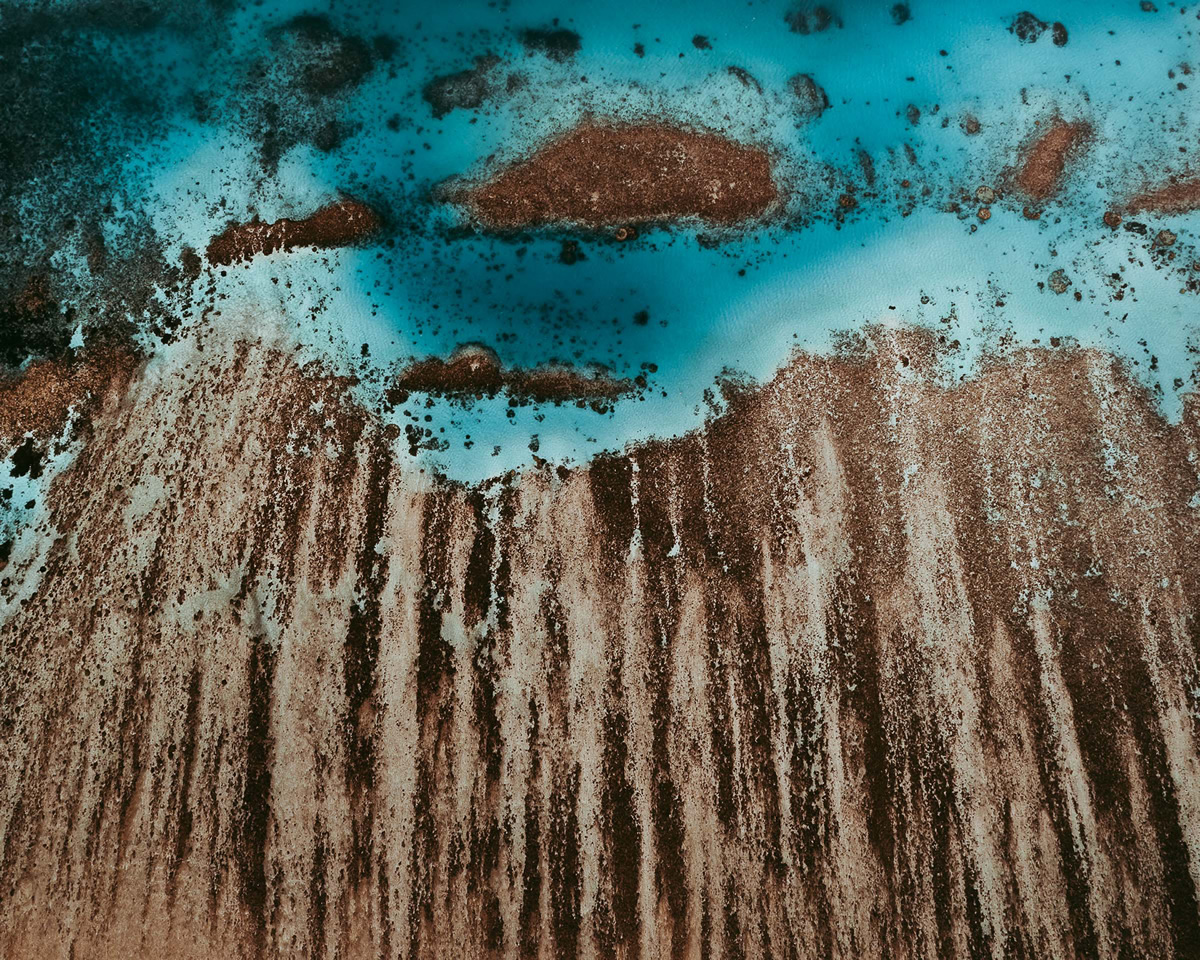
(872,666)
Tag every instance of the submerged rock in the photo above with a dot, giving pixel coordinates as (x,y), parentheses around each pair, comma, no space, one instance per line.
(32,324)
(811,99)
(1027,27)
(474,371)
(805,19)
(557,43)
(570,253)
(745,78)
(326,60)
(466,89)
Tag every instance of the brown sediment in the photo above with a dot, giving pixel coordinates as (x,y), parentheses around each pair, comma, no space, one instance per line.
(475,371)
(1178,196)
(335,225)
(1045,161)
(604,175)
(879,663)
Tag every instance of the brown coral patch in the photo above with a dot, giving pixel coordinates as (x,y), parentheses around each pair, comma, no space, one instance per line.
(1044,162)
(39,399)
(475,371)
(604,175)
(1177,196)
(335,225)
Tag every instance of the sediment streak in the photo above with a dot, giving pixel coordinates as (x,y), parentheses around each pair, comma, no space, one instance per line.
(871,666)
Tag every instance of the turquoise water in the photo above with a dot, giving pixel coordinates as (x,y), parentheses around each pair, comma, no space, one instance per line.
(738,302)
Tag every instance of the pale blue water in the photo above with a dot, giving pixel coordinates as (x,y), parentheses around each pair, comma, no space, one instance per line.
(747,302)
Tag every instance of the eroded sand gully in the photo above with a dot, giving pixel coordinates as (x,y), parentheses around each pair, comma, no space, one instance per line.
(871,667)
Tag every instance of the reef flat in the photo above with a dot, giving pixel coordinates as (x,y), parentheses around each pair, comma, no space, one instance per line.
(625,481)
(874,664)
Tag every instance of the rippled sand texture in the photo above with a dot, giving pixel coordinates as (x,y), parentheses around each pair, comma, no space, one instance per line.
(871,667)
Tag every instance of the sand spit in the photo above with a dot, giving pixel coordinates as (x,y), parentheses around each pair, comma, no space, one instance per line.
(869,667)
(1041,171)
(475,371)
(335,225)
(609,175)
